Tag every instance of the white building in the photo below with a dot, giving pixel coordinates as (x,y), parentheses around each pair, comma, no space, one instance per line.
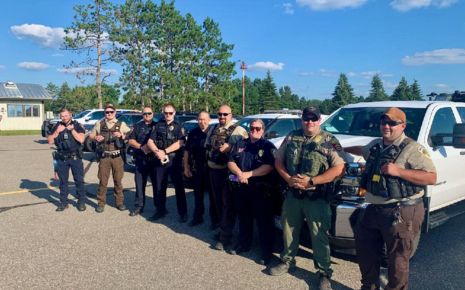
(22,106)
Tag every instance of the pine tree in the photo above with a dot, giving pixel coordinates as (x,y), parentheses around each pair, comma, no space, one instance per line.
(377,92)
(268,96)
(402,91)
(343,93)
(415,92)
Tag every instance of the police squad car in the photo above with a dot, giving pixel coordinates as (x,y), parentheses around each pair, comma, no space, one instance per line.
(438,126)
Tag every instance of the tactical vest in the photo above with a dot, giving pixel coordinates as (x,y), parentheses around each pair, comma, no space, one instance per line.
(165,134)
(142,134)
(218,137)
(307,156)
(111,143)
(65,141)
(389,187)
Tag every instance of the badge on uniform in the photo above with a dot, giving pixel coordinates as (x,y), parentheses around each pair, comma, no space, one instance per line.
(260,152)
(171,128)
(240,150)
(317,138)
(424,152)
(375,178)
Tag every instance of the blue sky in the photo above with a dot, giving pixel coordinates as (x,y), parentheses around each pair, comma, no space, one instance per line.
(305,44)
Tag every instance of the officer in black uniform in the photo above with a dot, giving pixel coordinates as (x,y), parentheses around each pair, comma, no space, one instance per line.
(68,136)
(145,159)
(250,162)
(196,168)
(166,142)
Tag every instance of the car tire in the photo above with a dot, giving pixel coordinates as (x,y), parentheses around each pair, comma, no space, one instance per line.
(89,145)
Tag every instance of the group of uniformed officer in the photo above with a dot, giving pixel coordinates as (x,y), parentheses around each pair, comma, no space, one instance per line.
(240,169)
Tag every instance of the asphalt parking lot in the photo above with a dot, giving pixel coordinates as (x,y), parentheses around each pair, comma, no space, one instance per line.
(44,249)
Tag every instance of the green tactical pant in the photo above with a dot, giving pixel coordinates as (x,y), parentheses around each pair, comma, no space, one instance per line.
(317,213)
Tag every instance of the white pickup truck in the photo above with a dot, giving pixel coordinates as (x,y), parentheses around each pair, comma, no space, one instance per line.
(429,123)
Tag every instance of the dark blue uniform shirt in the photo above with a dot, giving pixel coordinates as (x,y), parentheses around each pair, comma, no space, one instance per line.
(195,145)
(65,141)
(141,133)
(249,156)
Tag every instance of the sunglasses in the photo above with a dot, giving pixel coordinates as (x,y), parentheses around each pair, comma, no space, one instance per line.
(147,113)
(223,114)
(390,123)
(109,112)
(313,119)
(258,129)
(168,113)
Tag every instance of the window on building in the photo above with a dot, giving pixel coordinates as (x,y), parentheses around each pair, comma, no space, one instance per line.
(26,110)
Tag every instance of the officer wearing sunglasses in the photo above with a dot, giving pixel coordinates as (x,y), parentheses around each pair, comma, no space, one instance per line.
(165,142)
(250,162)
(396,173)
(109,134)
(144,158)
(309,160)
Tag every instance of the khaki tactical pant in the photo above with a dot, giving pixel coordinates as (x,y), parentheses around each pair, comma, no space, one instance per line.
(317,214)
(116,167)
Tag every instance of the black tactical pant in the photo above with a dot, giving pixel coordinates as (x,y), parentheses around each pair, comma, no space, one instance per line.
(201,184)
(77,169)
(172,169)
(224,202)
(252,201)
(381,225)
(144,170)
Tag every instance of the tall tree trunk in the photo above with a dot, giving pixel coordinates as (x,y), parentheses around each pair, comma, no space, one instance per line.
(98,84)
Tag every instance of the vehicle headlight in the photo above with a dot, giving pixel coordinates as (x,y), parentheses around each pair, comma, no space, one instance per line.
(350,182)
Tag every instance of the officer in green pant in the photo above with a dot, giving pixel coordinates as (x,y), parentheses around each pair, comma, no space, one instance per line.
(309,160)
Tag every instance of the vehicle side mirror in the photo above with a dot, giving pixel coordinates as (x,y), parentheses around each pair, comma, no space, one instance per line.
(458,136)
(272,134)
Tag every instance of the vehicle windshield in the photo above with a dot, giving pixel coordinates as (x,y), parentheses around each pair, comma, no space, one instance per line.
(245,122)
(365,121)
(81,114)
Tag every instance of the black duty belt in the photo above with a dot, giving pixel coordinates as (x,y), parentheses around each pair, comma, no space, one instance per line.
(407,202)
(111,154)
(66,156)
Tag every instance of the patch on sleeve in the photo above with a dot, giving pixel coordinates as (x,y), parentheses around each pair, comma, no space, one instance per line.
(424,152)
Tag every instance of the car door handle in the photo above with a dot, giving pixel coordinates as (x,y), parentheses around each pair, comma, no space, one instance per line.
(462,152)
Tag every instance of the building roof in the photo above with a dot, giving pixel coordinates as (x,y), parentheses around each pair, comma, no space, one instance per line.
(15,91)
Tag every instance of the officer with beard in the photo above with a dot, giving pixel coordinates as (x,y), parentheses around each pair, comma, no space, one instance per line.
(219,142)
(145,159)
(109,134)
(308,160)
(68,136)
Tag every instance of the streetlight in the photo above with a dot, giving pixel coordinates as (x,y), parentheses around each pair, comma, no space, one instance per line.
(243,68)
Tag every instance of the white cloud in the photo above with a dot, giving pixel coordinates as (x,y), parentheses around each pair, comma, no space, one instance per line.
(86,71)
(58,55)
(266,65)
(43,35)
(438,56)
(406,5)
(331,4)
(288,8)
(2,66)
(441,86)
(31,65)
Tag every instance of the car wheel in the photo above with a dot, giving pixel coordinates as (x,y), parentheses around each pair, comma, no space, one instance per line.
(89,145)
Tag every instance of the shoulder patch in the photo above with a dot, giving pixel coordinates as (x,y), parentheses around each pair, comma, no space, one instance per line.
(424,152)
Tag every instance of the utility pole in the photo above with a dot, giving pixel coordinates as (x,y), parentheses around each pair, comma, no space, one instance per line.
(243,68)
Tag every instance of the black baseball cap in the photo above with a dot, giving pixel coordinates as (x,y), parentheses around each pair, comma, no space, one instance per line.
(310,112)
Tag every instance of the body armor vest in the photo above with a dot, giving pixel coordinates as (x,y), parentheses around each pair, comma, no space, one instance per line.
(218,137)
(305,155)
(165,134)
(389,187)
(111,143)
(142,135)
(65,141)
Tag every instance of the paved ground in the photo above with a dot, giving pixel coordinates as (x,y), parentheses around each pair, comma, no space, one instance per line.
(43,249)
